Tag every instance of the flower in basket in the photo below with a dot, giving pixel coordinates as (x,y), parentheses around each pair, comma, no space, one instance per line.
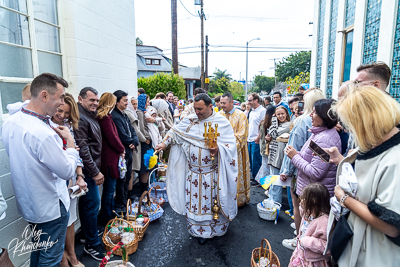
(108,255)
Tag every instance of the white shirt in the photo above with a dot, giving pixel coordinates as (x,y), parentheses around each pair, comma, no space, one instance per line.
(39,167)
(256,116)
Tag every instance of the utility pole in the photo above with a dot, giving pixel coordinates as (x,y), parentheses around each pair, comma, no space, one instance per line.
(206,72)
(274,59)
(174,37)
(247,65)
(202,44)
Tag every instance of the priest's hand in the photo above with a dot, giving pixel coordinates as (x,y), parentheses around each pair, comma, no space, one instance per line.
(161,146)
(214,151)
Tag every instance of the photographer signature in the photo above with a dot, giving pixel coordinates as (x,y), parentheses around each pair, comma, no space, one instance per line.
(32,240)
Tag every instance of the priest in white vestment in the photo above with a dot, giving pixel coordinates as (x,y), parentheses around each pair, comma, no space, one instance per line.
(194,180)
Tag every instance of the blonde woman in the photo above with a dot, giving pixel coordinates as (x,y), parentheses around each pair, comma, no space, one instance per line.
(298,137)
(112,149)
(68,115)
(371,115)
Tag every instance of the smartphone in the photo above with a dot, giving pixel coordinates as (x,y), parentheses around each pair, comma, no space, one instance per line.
(300,107)
(319,151)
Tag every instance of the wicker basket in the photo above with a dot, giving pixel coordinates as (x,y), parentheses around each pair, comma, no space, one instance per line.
(269,215)
(156,200)
(156,210)
(130,248)
(138,229)
(265,252)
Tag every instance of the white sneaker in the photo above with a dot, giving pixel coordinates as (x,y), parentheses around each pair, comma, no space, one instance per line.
(293,225)
(290,243)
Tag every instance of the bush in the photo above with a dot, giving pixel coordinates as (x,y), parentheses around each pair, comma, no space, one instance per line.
(294,84)
(163,82)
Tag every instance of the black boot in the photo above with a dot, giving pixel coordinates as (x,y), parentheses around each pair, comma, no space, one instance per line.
(143,187)
(202,241)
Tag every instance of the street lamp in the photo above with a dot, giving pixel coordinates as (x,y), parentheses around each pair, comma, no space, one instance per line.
(247,62)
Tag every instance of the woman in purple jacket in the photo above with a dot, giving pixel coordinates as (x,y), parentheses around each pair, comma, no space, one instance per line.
(311,168)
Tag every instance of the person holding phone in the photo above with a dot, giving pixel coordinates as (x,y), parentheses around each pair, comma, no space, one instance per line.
(371,115)
(298,137)
(311,168)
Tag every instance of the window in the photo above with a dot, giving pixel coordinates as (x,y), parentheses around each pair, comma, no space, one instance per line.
(29,45)
(347,53)
(152,61)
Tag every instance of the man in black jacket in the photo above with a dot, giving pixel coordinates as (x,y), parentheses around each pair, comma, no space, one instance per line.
(170,101)
(88,138)
(130,141)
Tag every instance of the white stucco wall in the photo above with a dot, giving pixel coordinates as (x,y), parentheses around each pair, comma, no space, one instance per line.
(100,45)
(99,50)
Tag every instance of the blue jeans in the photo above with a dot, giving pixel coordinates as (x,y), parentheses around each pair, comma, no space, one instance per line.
(289,197)
(107,199)
(88,210)
(255,158)
(276,190)
(53,231)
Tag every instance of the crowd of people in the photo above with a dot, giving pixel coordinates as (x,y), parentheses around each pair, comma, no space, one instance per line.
(215,155)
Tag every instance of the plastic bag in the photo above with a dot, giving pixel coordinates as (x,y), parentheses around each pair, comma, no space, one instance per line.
(122,167)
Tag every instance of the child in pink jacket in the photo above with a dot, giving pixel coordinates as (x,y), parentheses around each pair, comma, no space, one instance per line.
(311,240)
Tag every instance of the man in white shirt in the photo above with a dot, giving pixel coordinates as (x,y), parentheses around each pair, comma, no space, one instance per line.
(256,116)
(41,162)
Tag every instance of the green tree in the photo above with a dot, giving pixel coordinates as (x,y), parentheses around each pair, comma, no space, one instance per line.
(214,88)
(236,90)
(163,82)
(223,84)
(263,83)
(218,74)
(138,41)
(291,66)
(294,83)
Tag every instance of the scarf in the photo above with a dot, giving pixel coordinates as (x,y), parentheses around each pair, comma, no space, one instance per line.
(142,102)
(130,107)
(153,128)
(160,104)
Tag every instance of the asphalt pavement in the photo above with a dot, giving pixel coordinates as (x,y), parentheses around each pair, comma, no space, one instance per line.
(167,242)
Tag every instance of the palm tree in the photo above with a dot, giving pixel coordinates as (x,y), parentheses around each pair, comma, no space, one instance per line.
(218,74)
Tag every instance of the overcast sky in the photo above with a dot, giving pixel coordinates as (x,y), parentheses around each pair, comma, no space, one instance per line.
(279,24)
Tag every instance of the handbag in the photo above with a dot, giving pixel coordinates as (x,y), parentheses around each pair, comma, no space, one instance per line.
(267,148)
(5,259)
(341,235)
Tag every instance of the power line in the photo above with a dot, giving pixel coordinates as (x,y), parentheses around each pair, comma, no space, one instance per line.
(187,9)
(235,51)
(254,18)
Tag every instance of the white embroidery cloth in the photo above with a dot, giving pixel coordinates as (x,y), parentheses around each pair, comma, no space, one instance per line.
(193,180)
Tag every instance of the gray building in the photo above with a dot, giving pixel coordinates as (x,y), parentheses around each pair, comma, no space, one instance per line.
(150,60)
